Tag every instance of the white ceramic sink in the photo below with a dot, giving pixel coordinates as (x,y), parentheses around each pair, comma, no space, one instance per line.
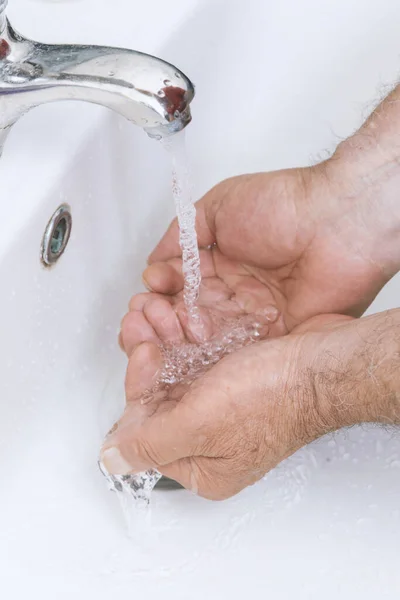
(277,84)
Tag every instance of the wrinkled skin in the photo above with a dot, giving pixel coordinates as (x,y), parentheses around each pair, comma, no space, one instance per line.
(282,242)
(278,242)
(248,413)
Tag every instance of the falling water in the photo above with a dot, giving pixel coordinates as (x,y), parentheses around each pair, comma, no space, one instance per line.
(186,214)
(185,362)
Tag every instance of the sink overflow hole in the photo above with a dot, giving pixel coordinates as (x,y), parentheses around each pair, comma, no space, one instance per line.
(56,236)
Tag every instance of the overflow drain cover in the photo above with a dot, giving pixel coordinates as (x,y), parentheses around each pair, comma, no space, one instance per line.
(56,236)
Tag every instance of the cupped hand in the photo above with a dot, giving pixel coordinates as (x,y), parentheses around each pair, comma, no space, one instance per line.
(248,413)
(294,243)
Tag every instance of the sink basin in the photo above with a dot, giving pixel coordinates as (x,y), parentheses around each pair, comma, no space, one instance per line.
(277,83)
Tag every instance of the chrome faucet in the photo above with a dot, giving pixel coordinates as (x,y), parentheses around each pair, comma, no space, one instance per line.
(146,90)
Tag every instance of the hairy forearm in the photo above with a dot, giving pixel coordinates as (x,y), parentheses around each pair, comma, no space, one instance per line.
(367,165)
(358,375)
(370,165)
(373,152)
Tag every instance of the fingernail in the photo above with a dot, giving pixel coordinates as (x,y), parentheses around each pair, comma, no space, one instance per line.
(114,462)
(112,430)
(270,313)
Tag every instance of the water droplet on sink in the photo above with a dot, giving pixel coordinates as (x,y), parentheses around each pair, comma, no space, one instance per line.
(178,75)
(111,73)
(161,93)
(158,137)
(167,82)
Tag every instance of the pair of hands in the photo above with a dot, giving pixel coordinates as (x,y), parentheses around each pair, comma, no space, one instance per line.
(292,241)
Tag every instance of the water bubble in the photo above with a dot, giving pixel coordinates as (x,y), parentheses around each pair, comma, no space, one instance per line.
(161,94)
(167,82)
(178,75)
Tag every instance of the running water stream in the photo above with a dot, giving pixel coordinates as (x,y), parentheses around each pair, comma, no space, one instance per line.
(186,214)
(185,362)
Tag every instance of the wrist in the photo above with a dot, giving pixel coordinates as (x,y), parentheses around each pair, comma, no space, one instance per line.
(356,375)
(365,175)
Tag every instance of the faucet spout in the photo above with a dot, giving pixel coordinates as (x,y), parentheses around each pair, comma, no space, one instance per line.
(146,90)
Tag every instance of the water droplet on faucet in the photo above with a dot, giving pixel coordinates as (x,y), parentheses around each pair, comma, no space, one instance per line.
(167,82)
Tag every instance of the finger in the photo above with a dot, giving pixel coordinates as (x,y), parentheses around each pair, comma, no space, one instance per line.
(135,329)
(167,277)
(165,437)
(136,413)
(213,291)
(197,331)
(164,277)
(138,301)
(163,319)
(121,342)
(169,247)
(207,477)
(184,472)
(143,368)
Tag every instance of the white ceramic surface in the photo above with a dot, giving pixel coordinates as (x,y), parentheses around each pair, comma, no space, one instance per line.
(325,524)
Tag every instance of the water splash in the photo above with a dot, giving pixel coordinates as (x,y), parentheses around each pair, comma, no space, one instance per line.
(184,363)
(133,493)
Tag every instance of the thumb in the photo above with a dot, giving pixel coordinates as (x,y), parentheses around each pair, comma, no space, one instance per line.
(168,247)
(165,437)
